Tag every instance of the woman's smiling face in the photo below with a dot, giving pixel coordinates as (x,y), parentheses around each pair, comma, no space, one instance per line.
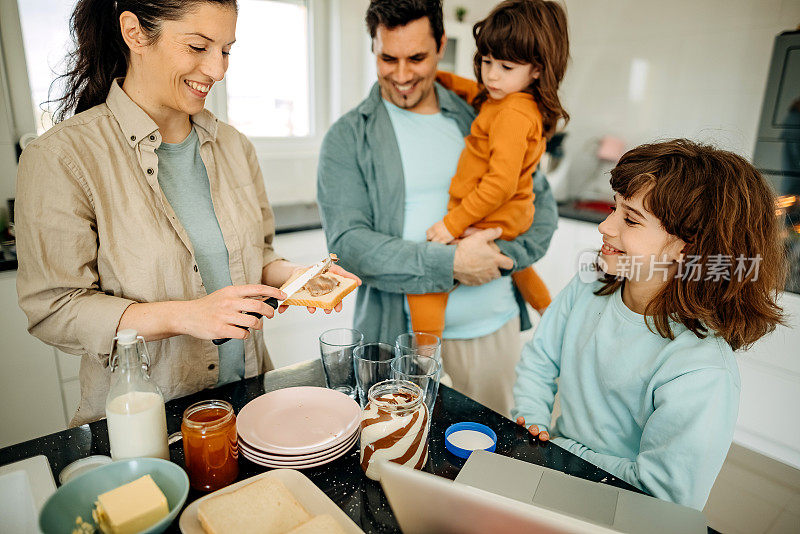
(188,57)
(635,244)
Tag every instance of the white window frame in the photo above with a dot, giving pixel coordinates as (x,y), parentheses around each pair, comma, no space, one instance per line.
(18,102)
(319,81)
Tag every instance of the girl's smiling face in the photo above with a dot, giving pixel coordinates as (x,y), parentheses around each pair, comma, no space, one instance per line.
(635,244)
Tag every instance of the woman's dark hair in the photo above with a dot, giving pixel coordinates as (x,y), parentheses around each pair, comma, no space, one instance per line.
(528,31)
(100,55)
(394,13)
(723,209)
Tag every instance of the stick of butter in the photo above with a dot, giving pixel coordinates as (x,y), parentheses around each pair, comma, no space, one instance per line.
(131,508)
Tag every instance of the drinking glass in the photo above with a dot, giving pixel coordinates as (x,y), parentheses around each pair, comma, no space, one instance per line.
(336,349)
(419,344)
(372,363)
(423,371)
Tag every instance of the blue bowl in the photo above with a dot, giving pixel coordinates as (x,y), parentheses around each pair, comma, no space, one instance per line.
(77,497)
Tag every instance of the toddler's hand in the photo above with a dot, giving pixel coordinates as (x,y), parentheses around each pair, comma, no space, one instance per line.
(534,430)
(439,233)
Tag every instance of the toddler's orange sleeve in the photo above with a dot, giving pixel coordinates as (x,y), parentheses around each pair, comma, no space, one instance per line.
(508,144)
(463,87)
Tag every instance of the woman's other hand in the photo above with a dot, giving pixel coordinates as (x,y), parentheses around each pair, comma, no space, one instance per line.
(540,434)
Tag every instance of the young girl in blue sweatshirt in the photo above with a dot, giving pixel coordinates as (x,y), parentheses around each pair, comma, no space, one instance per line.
(690,268)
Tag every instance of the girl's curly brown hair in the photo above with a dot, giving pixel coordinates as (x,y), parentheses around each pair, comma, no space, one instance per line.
(528,31)
(721,206)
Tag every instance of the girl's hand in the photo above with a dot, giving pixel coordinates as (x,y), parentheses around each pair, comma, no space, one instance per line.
(439,233)
(335,269)
(219,314)
(534,430)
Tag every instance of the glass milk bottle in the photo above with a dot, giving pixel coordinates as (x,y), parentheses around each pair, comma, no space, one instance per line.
(137,422)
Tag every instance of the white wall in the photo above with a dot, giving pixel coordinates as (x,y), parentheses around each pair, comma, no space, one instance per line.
(703,68)
(704,71)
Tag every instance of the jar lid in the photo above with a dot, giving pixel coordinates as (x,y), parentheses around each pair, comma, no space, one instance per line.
(463,438)
(127,336)
(79,467)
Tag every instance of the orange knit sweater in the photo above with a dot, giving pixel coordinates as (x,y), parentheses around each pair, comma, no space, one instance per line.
(493,184)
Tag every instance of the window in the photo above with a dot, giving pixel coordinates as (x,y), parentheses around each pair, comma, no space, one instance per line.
(267,91)
(267,83)
(45,36)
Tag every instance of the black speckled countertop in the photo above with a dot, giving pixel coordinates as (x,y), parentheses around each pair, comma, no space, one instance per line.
(342,480)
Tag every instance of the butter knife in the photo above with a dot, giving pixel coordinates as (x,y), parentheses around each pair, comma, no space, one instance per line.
(289,290)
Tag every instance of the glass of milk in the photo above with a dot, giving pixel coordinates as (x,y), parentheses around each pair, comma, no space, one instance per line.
(137,422)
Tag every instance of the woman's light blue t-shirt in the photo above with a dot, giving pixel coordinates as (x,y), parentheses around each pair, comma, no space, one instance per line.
(430,146)
(184,180)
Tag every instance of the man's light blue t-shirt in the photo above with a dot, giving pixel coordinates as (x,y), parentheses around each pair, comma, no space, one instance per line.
(184,180)
(430,146)
(658,413)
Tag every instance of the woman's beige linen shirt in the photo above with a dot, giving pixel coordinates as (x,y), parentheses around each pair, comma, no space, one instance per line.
(95,233)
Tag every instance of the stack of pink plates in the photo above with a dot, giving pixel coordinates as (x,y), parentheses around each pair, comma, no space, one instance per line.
(298,427)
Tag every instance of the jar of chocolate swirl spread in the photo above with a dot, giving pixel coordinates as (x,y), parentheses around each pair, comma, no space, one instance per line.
(394,427)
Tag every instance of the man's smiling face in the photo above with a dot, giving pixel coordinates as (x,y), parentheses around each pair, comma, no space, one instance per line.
(407,58)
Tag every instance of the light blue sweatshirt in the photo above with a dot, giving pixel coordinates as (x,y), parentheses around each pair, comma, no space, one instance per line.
(655,412)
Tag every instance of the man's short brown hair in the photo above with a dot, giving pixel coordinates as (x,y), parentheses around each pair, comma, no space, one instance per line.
(395,13)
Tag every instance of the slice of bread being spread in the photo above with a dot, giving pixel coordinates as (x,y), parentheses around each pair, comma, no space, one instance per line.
(321,523)
(327,301)
(265,506)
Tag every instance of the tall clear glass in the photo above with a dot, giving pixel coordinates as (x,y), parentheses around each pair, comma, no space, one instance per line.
(336,350)
(137,421)
(372,363)
(423,371)
(419,344)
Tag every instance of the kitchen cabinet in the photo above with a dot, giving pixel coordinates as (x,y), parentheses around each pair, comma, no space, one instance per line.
(67,366)
(572,243)
(31,404)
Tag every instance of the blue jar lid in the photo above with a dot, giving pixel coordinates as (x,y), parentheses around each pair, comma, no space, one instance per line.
(460,448)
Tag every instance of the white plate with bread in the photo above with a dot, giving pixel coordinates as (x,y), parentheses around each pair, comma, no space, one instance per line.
(282,501)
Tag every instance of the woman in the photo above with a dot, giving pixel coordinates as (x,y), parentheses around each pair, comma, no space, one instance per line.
(142,210)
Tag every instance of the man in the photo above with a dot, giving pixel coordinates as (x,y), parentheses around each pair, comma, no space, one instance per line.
(383,179)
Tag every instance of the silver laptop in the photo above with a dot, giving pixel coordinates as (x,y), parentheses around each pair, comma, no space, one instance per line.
(495,493)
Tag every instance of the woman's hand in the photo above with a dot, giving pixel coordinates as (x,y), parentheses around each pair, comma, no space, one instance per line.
(221,313)
(542,435)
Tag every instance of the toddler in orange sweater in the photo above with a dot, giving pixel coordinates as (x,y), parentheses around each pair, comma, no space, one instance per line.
(521,58)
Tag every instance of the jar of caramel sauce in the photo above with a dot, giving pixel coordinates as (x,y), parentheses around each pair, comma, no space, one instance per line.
(210,444)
